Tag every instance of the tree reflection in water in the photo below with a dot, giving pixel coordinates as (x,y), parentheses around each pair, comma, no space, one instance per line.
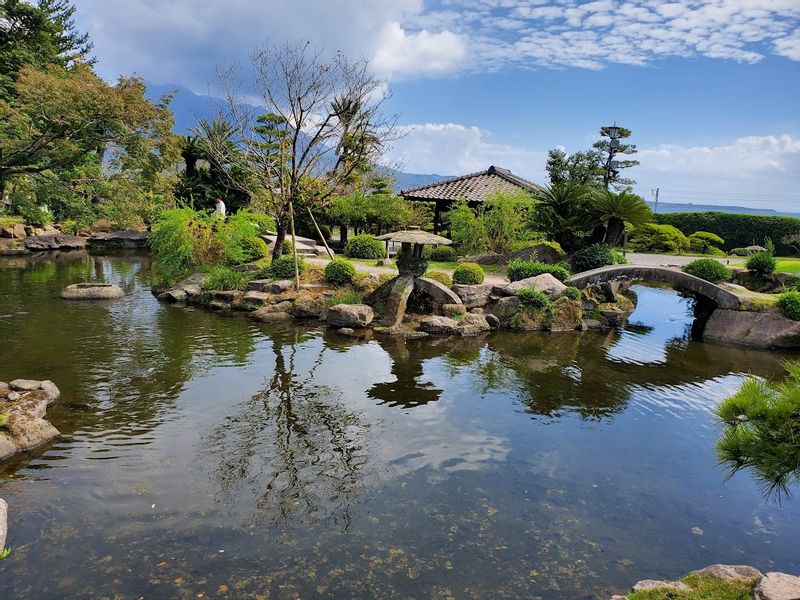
(295,447)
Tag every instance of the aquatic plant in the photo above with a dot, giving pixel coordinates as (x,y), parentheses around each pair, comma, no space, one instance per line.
(762,431)
(708,269)
(468,274)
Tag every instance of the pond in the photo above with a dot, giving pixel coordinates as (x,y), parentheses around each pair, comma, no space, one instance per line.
(205,455)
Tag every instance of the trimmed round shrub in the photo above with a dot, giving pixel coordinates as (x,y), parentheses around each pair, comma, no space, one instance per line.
(708,269)
(789,305)
(572,293)
(704,241)
(442,254)
(762,263)
(593,257)
(522,269)
(441,277)
(340,272)
(364,246)
(533,299)
(468,274)
(283,268)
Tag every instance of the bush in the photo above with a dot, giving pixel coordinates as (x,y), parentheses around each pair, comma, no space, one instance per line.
(593,257)
(264,223)
(468,274)
(533,299)
(739,252)
(466,229)
(572,293)
(705,241)
(442,254)
(708,269)
(364,246)
(283,268)
(659,238)
(522,269)
(344,297)
(762,263)
(441,277)
(738,231)
(789,305)
(225,278)
(340,272)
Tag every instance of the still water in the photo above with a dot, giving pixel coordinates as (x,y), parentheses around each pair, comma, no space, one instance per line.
(207,456)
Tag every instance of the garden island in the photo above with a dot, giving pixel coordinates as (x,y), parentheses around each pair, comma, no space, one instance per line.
(241,359)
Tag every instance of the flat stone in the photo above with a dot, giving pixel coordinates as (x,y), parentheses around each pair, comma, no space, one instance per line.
(355,316)
(226,295)
(41,243)
(401,331)
(654,584)
(118,240)
(92,291)
(777,586)
(31,404)
(474,296)
(254,297)
(175,295)
(219,305)
(545,283)
(268,316)
(277,287)
(26,385)
(438,324)
(729,572)
(30,432)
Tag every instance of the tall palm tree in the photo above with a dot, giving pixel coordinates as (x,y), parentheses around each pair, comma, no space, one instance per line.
(563,208)
(615,210)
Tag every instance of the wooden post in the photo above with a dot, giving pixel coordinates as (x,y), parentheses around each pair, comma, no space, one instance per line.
(322,237)
(294,248)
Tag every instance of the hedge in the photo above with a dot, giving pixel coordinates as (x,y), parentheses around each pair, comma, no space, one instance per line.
(738,231)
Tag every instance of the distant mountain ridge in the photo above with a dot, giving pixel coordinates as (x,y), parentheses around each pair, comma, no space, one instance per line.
(189,107)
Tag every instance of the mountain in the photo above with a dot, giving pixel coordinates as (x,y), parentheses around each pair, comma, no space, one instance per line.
(673,207)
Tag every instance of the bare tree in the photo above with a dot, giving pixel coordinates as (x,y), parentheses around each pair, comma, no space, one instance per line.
(306,124)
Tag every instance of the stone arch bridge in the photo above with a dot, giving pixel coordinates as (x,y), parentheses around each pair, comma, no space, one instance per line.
(721,297)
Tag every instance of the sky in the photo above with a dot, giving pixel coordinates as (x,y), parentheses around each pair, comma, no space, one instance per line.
(710,89)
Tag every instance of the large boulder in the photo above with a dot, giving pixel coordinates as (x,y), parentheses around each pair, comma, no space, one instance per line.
(308,307)
(474,296)
(29,432)
(749,328)
(117,241)
(566,315)
(729,572)
(355,316)
(544,283)
(40,243)
(267,314)
(777,586)
(439,325)
(92,291)
(505,309)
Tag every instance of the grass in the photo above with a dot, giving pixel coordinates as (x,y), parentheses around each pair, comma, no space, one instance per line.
(703,588)
(7,221)
(344,297)
(788,265)
(6,552)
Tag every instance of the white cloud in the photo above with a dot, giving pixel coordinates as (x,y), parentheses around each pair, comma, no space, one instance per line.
(452,149)
(789,46)
(423,52)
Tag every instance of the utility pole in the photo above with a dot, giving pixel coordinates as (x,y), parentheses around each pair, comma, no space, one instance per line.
(655,195)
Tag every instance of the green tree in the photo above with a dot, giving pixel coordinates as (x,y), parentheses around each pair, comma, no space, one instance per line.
(581,168)
(563,212)
(613,211)
(610,149)
(466,229)
(505,215)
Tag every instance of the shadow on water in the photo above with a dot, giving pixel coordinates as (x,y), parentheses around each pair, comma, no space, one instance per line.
(241,460)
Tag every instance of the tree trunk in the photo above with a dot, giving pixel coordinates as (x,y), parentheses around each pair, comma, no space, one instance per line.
(342,235)
(277,249)
(614,231)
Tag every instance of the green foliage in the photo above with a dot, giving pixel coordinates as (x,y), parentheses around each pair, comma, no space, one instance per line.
(375,210)
(761,429)
(340,272)
(364,246)
(763,263)
(468,274)
(653,237)
(466,230)
(533,299)
(789,305)
(593,257)
(609,150)
(441,253)
(283,267)
(739,252)
(705,242)
(225,278)
(441,277)
(738,231)
(708,269)
(31,213)
(6,552)
(563,212)
(581,168)
(702,588)
(572,293)
(504,215)
(617,210)
(522,269)
(240,236)
(346,296)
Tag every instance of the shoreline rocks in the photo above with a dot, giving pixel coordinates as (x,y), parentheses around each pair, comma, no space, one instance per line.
(110,242)
(23,403)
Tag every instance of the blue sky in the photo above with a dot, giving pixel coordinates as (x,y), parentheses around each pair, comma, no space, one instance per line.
(711,89)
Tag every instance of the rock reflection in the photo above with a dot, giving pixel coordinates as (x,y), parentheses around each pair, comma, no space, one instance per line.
(294,447)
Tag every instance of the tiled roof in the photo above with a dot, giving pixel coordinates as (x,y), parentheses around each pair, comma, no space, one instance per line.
(473,187)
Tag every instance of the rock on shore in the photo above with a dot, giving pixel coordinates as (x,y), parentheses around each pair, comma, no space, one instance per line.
(25,402)
(92,291)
